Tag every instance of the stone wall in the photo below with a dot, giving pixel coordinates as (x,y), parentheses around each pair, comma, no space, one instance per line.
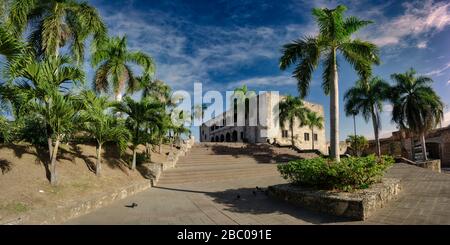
(358,205)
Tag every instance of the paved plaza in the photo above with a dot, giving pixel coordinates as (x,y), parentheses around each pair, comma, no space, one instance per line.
(229,196)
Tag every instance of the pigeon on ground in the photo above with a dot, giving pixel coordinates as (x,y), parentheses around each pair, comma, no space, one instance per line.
(238,197)
(254,193)
(133,205)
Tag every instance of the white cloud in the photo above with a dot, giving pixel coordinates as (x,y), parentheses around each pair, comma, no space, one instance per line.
(422,44)
(439,71)
(387,108)
(281,80)
(420,17)
(446,121)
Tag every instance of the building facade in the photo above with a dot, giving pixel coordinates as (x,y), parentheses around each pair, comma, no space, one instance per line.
(408,145)
(218,129)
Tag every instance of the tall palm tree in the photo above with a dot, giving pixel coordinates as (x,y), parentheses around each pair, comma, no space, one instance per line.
(313,120)
(139,114)
(101,125)
(56,23)
(113,59)
(367,98)
(38,79)
(416,106)
(335,36)
(291,109)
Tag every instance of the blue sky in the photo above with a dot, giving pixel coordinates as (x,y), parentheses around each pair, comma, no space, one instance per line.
(227,43)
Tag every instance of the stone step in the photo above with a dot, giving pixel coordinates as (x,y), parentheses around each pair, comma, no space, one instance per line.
(212,170)
(165,181)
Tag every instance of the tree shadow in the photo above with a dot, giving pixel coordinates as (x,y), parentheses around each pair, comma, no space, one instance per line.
(262,153)
(90,164)
(39,152)
(5,165)
(113,158)
(255,201)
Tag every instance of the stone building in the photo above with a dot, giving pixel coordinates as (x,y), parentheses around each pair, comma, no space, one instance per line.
(408,146)
(218,129)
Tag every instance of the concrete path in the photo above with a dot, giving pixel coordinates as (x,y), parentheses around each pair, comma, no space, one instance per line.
(195,193)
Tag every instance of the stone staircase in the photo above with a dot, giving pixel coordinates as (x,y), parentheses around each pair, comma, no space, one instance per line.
(207,162)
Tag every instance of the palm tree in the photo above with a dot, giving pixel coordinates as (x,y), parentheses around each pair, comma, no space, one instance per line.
(367,98)
(139,114)
(59,114)
(416,106)
(101,125)
(313,120)
(154,88)
(292,108)
(113,59)
(334,37)
(10,46)
(40,79)
(56,23)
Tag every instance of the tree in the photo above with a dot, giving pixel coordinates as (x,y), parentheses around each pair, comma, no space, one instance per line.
(10,46)
(416,106)
(101,125)
(139,114)
(59,114)
(358,144)
(291,109)
(154,88)
(367,98)
(313,120)
(39,81)
(113,59)
(55,24)
(334,37)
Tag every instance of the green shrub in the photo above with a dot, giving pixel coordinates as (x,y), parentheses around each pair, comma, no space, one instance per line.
(351,173)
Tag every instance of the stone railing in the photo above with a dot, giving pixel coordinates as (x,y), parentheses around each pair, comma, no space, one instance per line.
(153,171)
(432,164)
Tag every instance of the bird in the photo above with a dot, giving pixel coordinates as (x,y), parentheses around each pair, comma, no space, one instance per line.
(238,197)
(259,188)
(133,205)
(254,193)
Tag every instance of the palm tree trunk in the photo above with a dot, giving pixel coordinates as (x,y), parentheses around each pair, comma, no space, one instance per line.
(334,112)
(53,179)
(50,146)
(376,132)
(424,146)
(160,143)
(98,166)
(312,137)
(133,164)
(147,150)
(354,125)
(291,127)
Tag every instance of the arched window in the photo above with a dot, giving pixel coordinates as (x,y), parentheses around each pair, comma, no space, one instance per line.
(235,136)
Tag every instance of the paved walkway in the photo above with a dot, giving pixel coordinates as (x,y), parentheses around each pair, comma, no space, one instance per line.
(425,199)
